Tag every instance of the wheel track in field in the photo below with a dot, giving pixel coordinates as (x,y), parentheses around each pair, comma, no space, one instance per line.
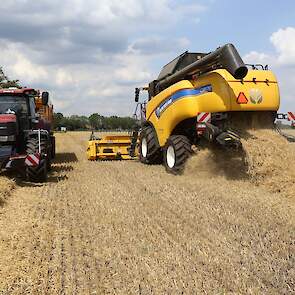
(125,228)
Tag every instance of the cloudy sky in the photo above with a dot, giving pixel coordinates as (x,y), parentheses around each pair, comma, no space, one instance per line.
(90,54)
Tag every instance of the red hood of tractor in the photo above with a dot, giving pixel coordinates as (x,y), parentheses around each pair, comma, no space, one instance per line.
(7,118)
(12,91)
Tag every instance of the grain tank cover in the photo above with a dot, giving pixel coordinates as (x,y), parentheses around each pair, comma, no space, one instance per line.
(179,63)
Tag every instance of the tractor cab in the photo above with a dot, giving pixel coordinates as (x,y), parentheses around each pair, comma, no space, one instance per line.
(17,114)
(24,104)
(21,104)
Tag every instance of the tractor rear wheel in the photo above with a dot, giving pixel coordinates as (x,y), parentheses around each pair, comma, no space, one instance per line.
(37,173)
(177,150)
(149,150)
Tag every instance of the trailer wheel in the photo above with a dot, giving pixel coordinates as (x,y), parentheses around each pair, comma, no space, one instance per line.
(149,150)
(37,173)
(177,150)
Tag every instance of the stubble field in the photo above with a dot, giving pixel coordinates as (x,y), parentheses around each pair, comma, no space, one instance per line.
(125,228)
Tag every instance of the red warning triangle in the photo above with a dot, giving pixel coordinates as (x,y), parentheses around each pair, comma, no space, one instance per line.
(242,99)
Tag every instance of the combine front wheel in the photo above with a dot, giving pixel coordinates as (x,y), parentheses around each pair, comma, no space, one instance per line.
(149,150)
(177,150)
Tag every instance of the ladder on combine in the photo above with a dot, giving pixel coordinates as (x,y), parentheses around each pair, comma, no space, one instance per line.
(140,116)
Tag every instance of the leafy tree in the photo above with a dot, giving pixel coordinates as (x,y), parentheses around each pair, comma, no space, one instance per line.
(96,121)
(5,82)
(57,120)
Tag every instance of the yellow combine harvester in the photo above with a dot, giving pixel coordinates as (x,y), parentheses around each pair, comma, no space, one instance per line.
(197,98)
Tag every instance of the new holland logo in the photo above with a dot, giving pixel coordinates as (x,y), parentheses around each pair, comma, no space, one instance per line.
(256,96)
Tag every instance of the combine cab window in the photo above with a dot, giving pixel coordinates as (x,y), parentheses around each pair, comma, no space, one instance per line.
(13,104)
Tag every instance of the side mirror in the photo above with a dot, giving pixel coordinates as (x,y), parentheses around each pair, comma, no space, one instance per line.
(137,90)
(45,98)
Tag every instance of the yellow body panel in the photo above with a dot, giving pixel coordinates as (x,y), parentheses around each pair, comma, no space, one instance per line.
(260,85)
(109,147)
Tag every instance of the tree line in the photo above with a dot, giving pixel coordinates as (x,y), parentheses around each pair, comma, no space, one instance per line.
(93,122)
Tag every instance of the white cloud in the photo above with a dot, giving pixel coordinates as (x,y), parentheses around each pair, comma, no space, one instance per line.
(20,66)
(132,68)
(284,42)
(155,44)
(90,54)
(98,13)
(254,57)
(282,63)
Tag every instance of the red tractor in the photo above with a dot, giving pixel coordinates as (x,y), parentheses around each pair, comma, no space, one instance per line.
(27,144)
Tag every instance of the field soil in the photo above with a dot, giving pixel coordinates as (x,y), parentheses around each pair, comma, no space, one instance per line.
(290,131)
(121,227)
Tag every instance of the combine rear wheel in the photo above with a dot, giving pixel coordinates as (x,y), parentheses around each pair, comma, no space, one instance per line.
(177,150)
(149,150)
(37,173)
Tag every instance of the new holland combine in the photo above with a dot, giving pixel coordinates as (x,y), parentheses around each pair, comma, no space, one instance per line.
(27,144)
(198,98)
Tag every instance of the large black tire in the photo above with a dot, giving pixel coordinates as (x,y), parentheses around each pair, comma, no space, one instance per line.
(37,173)
(149,149)
(176,152)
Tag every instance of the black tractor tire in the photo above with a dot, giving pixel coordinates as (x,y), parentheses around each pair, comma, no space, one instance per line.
(176,152)
(37,173)
(149,149)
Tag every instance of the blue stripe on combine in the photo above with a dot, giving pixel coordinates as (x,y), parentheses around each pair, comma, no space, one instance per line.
(181,94)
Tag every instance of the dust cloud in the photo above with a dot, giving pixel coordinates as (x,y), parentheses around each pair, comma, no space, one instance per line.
(267,159)
(270,159)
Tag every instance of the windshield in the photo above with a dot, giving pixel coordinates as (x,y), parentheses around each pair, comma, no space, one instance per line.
(13,104)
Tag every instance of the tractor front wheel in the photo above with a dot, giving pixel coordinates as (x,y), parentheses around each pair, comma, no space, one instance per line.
(177,150)
(37,173)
